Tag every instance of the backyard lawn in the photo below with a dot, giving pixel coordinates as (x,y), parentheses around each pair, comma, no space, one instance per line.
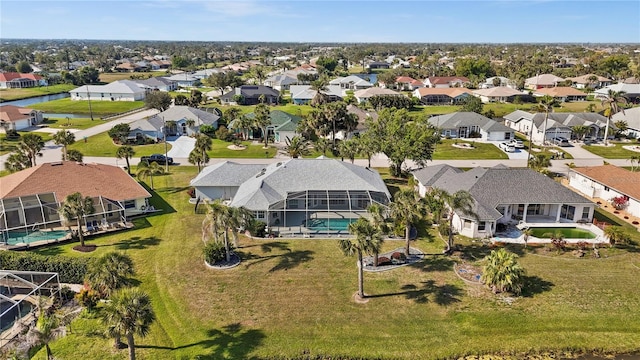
(99,108)
(72,123)
(612,152)
(16,94)
(102,145)
(446,151)
(294,299)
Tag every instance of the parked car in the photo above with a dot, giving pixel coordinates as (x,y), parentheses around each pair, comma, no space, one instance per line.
(560,141)
(518,144)
(507,147)
(590,140)
(158,158)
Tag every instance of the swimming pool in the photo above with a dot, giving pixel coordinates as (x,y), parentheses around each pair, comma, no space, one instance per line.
(330,224)
(15,313)
(568,233)
(15,237)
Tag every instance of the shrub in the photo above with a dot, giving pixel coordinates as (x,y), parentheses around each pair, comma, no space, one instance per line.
(582,245)
(191,192)
(635,222)
(88,298)
(12,134)
(214,252)
(256,228)
(559,244)
(208,130)
(223,134)
(620,202)
(383,260)
(398,256)
(616,235)
(70,270)
(443,229)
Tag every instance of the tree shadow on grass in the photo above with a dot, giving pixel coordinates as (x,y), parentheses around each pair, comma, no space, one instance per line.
(292,259)
(135,243)
(533,285)
(474,252)
(434,263)
(230,342)
(50,251)
(175,189)
(158,202)
(442,295)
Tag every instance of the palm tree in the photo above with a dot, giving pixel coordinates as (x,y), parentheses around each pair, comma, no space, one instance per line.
(407,209)
(348,149)
(64,138)
(109,272)
(502,272)
(525,235)
(238,218)
(635,161)
(365,147)
(580,131)
(259,73)
(242,123)
(198,158)
(377,213)
(190,123)
(612,101)
(47,329)
(461,201)
(262,120)
(149,170)
(368,240)
(319,86)
(211,222)
(203,144)
(322,144)
(126,152)
(17,161)
(74,155)
(546,106)
(75,206)
(297,146)
(129,313)
(539,161)
(31,145)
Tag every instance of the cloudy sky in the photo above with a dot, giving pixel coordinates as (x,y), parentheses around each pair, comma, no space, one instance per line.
(325,21)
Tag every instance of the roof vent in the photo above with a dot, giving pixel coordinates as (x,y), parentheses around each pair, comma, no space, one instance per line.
(57,163)
(278,164)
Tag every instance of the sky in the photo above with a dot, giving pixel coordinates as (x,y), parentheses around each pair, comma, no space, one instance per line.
(345,21)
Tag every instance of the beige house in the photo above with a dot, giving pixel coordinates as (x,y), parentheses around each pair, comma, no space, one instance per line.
(18,118)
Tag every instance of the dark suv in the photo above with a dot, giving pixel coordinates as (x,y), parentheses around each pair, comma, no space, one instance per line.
(158,158)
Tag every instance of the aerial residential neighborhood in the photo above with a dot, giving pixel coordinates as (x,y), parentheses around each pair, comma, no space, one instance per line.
(302,180)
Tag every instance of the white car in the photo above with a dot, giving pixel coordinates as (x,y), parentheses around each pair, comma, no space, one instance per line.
(518,144)
(507,147)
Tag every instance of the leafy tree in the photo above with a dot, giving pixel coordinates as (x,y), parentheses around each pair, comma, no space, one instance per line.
(31,144)
(612,101)
(331,118)
(179,62)
(262,120)
(322,144)
(75,155)
(119,133)
(473,68)
(129,313)
(126,152)
(502,272)
(259,73)
(23,67)
(77,207)
(365,147)
(326,64)
(539,161)
(181,100)
(158,100)
(109,272)
(367,240)
(459,202)
(472,104)
(297,146)
(64,138)
(146,170)
(390,101)
(406,209)
(47,329)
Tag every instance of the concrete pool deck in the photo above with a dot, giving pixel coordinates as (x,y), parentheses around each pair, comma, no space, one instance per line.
(513,237)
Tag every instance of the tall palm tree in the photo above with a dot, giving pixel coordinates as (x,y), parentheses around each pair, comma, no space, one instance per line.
(407,208)
(47,329)
(322,144)
(129,313)
(319,86)
(378,214)
(348,149)
(146,170)
(238,218)
(198,158)
(546,106)
(367,240)
(17,161)
(109,272)
(126,152)
(635,161)
(460,201)
(612,101)
(242,123)
(297,146)
(31,145)
(64,138)
(539,162)
(502,272)
(75,206)
(580,131)
(365,147)
(203,144)
(262,120)
(190,123)
(211,223)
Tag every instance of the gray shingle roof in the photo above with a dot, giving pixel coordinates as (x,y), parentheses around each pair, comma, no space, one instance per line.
(177,113)
(428,175)
(457,119)
(226,173)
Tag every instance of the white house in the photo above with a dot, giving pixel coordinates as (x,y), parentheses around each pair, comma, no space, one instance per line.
(121,90)
(632,118)
(365,94)
(503,82)
(351,82)
(591,81)
(557,124)
(607,182)
(18,118)
(471,125)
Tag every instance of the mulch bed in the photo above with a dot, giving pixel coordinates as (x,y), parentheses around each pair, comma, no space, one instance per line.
(415,255)
(85,249)
(222,265)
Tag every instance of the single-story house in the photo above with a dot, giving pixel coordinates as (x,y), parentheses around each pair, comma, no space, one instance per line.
(378,65)
(607,182)
(562,93)
(446,81)
(131,67)
(251,95)
(632,118)
(205,73)
(296,195)
(591,81)
(404,83)
(18,118)
(12,80)
(558,124)
(439,96)
(471,125)
(632,91)
(504,82)
(542,81)
(30,199)
(121,90)
(281,81)
(501,197)
(155,126)
(157,83)
(500,94)
(351,82)
(184,79)
(303,94)
(283,125)
(364,94)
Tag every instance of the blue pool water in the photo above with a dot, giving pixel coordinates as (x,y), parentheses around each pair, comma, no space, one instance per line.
(15,237)
(330,224)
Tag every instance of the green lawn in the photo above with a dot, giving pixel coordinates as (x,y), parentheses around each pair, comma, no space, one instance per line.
(446,151)
(294,298)
(220,150)
(17,94)
(72,123)
(10,145)
(102,145)
(100,108)
(111,77)
(612,152)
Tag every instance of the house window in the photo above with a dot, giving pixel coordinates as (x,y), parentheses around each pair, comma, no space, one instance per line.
(467,224)
(129,204)
(535,209)
(260,214)
(482,225)
(585,212)
(567,212)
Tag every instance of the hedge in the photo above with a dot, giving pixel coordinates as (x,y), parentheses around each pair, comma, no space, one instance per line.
(70,270)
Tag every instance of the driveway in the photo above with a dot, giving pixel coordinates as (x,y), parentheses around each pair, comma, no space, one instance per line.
(181,147)
(519,154)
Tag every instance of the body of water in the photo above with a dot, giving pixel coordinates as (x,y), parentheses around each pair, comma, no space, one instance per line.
(36,100)
(62,116)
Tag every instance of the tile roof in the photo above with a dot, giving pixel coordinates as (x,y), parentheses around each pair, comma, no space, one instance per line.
(450,92)
(11,113)
(373,91)
(67,177)
(544,80)
(8,76)
(622,180)
(447,79)
(560,91)
(498,91)
(584,79)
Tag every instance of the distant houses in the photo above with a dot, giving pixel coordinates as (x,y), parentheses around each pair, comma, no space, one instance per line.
(251,95)
(14,80)
(442,96)
(446,81)
(18,118)
(557,124)
(501,94)
(562,93)
(121,90)
(542,81)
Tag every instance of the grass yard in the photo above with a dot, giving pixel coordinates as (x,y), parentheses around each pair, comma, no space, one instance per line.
(111,77)
(446,151)
(219,149)
(17,94)
(100,108)
(10,145)
(294,298)
(72,123)
(612,152)
(102,145)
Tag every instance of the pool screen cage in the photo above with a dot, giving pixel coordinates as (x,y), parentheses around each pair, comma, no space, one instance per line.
(18,288)
(31,213)
(299,208)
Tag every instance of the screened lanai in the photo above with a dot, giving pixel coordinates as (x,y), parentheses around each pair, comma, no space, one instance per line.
(321,210)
